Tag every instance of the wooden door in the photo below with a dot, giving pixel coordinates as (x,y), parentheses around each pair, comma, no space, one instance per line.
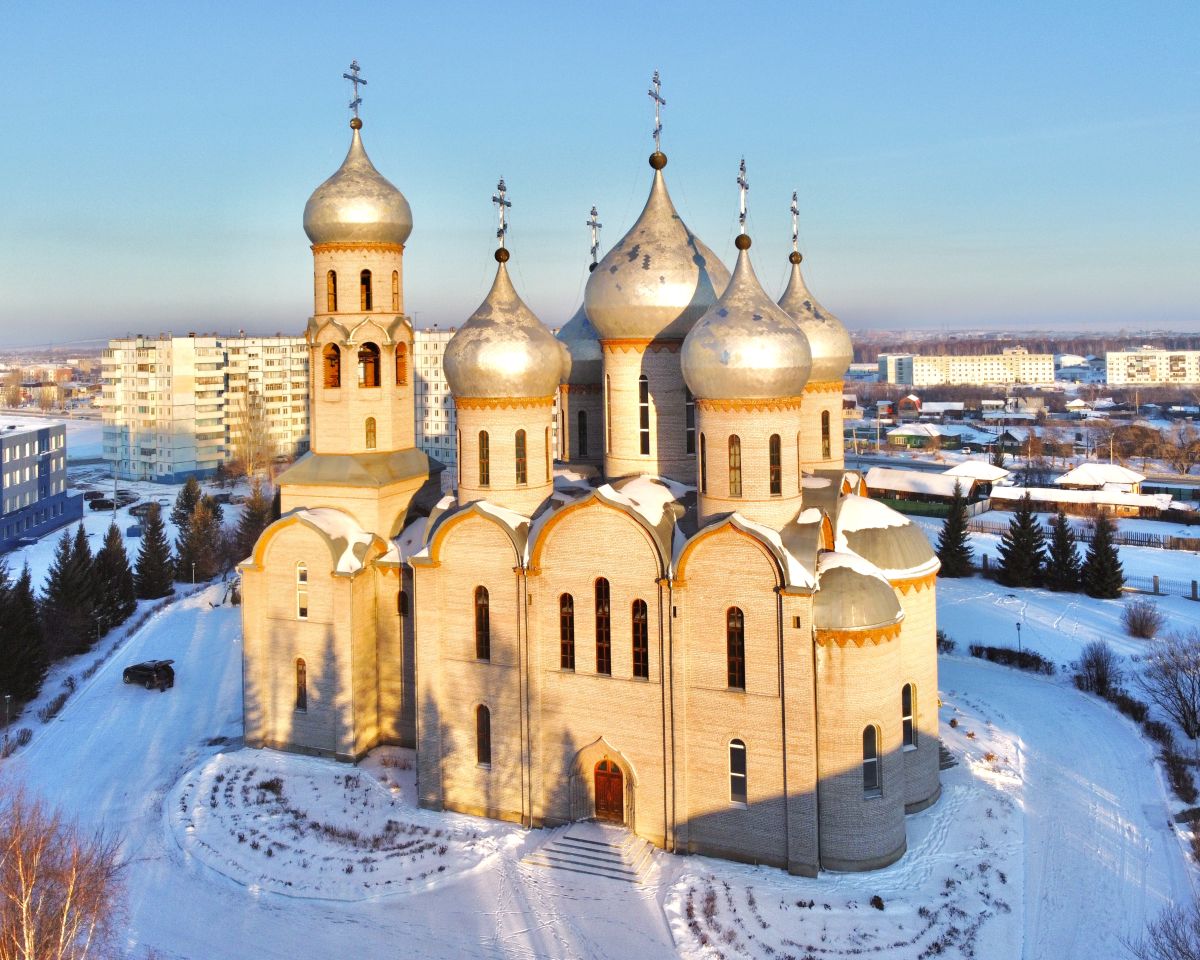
(610,792)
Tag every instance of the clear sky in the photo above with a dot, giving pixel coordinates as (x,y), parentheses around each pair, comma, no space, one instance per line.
(1018,164)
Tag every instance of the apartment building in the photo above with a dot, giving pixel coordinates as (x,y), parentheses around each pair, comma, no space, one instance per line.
(33,479)
(434,405)
(1013,365)
(1148,366)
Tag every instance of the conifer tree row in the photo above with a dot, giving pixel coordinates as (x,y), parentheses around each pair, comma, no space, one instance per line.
(1022,548)
(154,576)
(23,657)
(954,543)
(1102,574)
(1062,567)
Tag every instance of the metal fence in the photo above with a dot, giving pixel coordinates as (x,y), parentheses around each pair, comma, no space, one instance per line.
(1156,586)
(1133,538)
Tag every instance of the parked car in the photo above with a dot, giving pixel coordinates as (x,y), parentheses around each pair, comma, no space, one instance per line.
(152,674)
(91,495)
(27,541)
(101,505)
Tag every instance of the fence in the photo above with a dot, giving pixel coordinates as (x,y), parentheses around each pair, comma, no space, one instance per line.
(1157,586)
(1084,535)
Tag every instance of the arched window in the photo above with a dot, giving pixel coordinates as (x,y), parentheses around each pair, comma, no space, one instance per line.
(703,465)
(826,442)
(401,364)
(368,365)
(485,459)
(581,445)
(483,625)
(301,685)
(522,468)
(735,647)
(872,782)
(483,736)
(607,413)
(370,433)
(775,454)
(641,640)
(644,415)
(396,290)
(735,466)
(301,591)
(566,632)
(332,358)
(603,629)
(331,292)
(547,449)
(402,603)
(364,291)
(737,772)
(689,420)
(908,715)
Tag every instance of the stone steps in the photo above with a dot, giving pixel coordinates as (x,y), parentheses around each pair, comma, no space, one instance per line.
(946,759)
(596,850)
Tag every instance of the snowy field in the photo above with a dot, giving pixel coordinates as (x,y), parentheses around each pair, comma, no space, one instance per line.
(85,435)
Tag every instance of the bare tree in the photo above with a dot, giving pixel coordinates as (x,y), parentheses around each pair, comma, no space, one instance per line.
(1182,451)
(11,389)
(60,891)
(1099,669)
(250,434)
(1174,935)
(1171,678)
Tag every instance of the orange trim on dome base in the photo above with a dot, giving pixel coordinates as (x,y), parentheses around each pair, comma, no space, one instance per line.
(824,386)
(641,345)
(749,406)
(840,638)
(377,246)
(502,403)
(909,584)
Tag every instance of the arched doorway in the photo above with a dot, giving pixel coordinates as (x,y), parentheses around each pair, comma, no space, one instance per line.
(610,792)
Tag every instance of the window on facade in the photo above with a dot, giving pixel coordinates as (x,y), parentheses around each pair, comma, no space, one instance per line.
(581,444)
(402,603)
(566,631)
(301,591)
(483,625)
(703,465)
(485,463)
(370,433)
(332,365)
(735,647)
(775,454)
(603,629)
(396,290)
(364,288)
(737,771)
(641,640)
(826,442)
(483,735)
(907,699)
(872,783)
(301,685)
(401,364)
(368,365)
(331,292)
(689,419)
(735,466)
(522,465)
(644,415)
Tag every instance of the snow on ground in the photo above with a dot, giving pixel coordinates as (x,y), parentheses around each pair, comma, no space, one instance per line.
(85,435)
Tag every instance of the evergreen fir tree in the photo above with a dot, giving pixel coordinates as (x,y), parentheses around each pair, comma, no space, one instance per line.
(22,648)
(116,598)
(155,574)
(255,518)
(277,505)
(66,605)
(217,510)
(997,455)
(1022,548)
(1102,574)
(200,549)
(1062,569)
(954,543)
(185,504)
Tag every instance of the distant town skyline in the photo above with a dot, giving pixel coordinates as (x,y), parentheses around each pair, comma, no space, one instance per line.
(1024,166)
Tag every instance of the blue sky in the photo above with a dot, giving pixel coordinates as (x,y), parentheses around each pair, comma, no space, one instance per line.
(1025,165)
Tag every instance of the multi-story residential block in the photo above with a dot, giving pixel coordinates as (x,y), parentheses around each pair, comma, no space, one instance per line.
(1150,366)
(436,421)
(1013,365)
(33,479)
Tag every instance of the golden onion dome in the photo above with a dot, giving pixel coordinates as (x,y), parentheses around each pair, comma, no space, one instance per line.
(852,594)
(745,347)
(832,351)
(503,350)
(583,359)
(357,204)
(658,280)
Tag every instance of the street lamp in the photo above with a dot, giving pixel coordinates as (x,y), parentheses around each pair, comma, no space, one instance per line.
(7,710)
(193,573)
(1018,637)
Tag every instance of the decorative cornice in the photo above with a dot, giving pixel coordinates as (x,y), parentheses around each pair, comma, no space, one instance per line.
(371,246)
(875,635)
(910,584)
(584,388)
(502,403)
(641,345)
(824,386)
(749,406)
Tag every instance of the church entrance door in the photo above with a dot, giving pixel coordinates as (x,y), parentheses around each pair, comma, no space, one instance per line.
(610,792)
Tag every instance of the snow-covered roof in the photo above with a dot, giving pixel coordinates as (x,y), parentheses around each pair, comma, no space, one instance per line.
(915,481)
(922,430)
(978,470)
(347,539)
(943,406)
(853,594)
(883,536)
(1156,501)
(1098,474)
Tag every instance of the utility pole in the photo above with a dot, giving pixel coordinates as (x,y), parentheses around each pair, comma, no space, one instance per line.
(1018,638)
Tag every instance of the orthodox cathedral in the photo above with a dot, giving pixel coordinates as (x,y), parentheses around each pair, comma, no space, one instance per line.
(676,611)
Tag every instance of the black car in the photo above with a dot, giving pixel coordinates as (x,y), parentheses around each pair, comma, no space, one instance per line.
(151,674)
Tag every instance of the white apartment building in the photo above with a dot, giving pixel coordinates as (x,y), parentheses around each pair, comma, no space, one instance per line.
(434,407)
(175,406)
(1013,365)
(1150,366)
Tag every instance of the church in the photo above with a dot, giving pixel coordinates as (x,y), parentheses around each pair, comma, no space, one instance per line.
(676,610)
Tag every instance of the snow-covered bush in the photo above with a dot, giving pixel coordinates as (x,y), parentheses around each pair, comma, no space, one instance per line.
(1098,670)
(1175,935)
(944,643)
(1143,619)
(1171,679)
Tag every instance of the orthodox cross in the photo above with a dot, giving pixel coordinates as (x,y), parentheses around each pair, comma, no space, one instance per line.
(355,79)
(595,226)
(743,188)
(656,95)
(795,223)
(500,199)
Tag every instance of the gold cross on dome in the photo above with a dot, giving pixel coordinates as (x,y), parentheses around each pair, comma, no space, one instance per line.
(656,95)
(594,225)
(355,79)
(743,189)
(500,199)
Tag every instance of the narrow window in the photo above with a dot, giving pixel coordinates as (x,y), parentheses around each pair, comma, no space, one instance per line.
(368,365)
(644,415)
(301,685)
(566,631)
(370,433)
(735,647)
(485,468)
(826,444)
(689,419)
(735,466)
(607,413)
(603,631)
(402,603)
(737,771)
(301,591)
(364,288)
(776,457)
(401,364)
(331,291)
(907,715)
(332,365)
(522,469)
(396,290)
(871,779)
(641,640)
(483,736)
(581,444)
(547,448)
(703,465)
(483,625)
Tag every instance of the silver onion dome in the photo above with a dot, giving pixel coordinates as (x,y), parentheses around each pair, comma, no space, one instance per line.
(503,350)
(583,358)
(658,279)
(357,204)
(852,595)
(832,351)
(745,347)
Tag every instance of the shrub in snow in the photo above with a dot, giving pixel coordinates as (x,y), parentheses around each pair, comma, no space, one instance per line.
(1180,776)
(1171,679)
(1175,935)
(11,745)
(1143,619)
(1160,733)
(1029,660)
(944,643)
(1099,669)
(51,710)
(1130,706)
(877,902)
